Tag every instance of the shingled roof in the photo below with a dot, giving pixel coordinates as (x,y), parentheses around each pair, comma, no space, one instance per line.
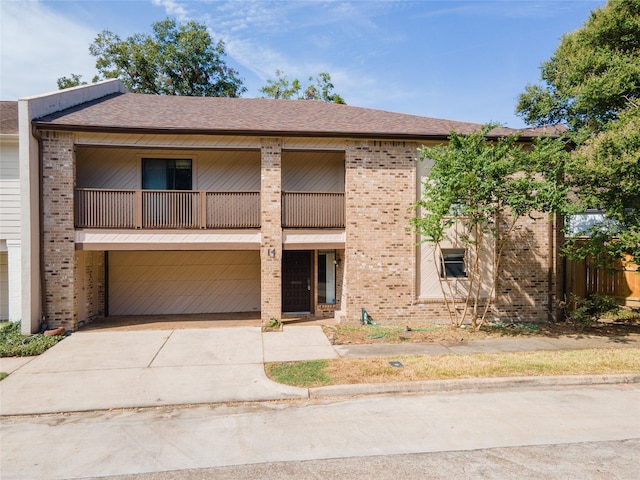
(131,112)
(8,118)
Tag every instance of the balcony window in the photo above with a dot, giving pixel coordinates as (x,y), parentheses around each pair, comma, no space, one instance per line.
(166,174)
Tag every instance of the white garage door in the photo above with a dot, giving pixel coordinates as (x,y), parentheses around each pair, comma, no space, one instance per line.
(158,283)
(4,287)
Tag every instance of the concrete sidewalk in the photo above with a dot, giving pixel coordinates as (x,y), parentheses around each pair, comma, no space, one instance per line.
(128,369)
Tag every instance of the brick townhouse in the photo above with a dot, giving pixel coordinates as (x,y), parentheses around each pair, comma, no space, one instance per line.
(157,205)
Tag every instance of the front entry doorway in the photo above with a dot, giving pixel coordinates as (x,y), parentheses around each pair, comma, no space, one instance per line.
(296,280)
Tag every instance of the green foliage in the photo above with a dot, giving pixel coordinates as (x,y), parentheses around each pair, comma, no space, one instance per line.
(587,311)
(475,179)
(274,323)
(174,60)
(593,74)
(14,344)
(592,84)
(605,172)
(321,88)
(74,80)
(3,375)
(476,183)
(300,374)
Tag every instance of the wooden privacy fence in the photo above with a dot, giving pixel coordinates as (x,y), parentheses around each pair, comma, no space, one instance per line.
(584,278)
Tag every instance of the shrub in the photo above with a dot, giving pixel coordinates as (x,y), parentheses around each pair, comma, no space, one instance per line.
(589,310)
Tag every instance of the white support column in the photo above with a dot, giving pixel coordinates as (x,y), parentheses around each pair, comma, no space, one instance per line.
(15,279)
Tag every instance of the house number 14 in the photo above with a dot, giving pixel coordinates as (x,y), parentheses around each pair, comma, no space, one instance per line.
(271,252)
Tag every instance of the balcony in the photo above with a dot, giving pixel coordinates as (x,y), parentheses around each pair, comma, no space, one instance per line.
(313,210)
(166,209)
(187,209)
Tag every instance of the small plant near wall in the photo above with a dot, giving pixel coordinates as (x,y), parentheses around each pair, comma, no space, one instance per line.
(274,325)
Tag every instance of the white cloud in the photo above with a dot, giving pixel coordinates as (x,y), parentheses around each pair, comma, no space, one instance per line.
(173,9)
(37,46)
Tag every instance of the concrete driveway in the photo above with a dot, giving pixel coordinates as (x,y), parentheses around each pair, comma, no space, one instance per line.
(123,369)
(98,370)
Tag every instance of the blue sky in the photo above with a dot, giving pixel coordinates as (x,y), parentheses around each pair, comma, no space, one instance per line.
(459,60)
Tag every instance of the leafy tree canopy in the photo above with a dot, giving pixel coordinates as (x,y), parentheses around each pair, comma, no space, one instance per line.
(319,88)
(479,189)
(605,175)
(592,84)
(72,81)
(173,60)
(593,74)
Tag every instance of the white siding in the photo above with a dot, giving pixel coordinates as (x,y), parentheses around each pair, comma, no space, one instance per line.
(228,171)
(107,168)
(157,283)
(313,171)
(120,168)
(9,190)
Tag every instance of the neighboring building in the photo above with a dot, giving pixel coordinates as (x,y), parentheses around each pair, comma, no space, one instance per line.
(175,205)
(10,297)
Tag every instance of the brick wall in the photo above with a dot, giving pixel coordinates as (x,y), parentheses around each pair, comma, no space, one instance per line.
(90,285)
(380,253)
(378,266)
(58,251)
(271,221)
(522,291)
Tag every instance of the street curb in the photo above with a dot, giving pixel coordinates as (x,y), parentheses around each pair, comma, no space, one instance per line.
(471,384)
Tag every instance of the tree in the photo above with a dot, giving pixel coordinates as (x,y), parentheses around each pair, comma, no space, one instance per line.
(322,89)
(593,74)
(592,84)
(281,88)
(174,60)
(74,80)
(478,190)
(605,174)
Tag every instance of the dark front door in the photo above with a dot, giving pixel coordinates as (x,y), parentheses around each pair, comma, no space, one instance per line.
(296,281)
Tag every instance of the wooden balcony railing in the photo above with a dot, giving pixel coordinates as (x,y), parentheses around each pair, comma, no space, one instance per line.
(312,210)
(187,209)
(157,209)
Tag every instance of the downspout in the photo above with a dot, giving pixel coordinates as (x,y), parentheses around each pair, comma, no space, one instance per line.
(38,135)
(550,268)
(561,275)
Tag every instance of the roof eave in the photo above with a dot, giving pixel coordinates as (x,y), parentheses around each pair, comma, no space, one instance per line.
(228,132)
(250,133)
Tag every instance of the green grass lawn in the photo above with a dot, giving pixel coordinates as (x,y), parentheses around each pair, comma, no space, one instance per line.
(438,367)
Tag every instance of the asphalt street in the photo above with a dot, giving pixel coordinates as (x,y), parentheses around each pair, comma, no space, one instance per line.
(579,461)
(367,429)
